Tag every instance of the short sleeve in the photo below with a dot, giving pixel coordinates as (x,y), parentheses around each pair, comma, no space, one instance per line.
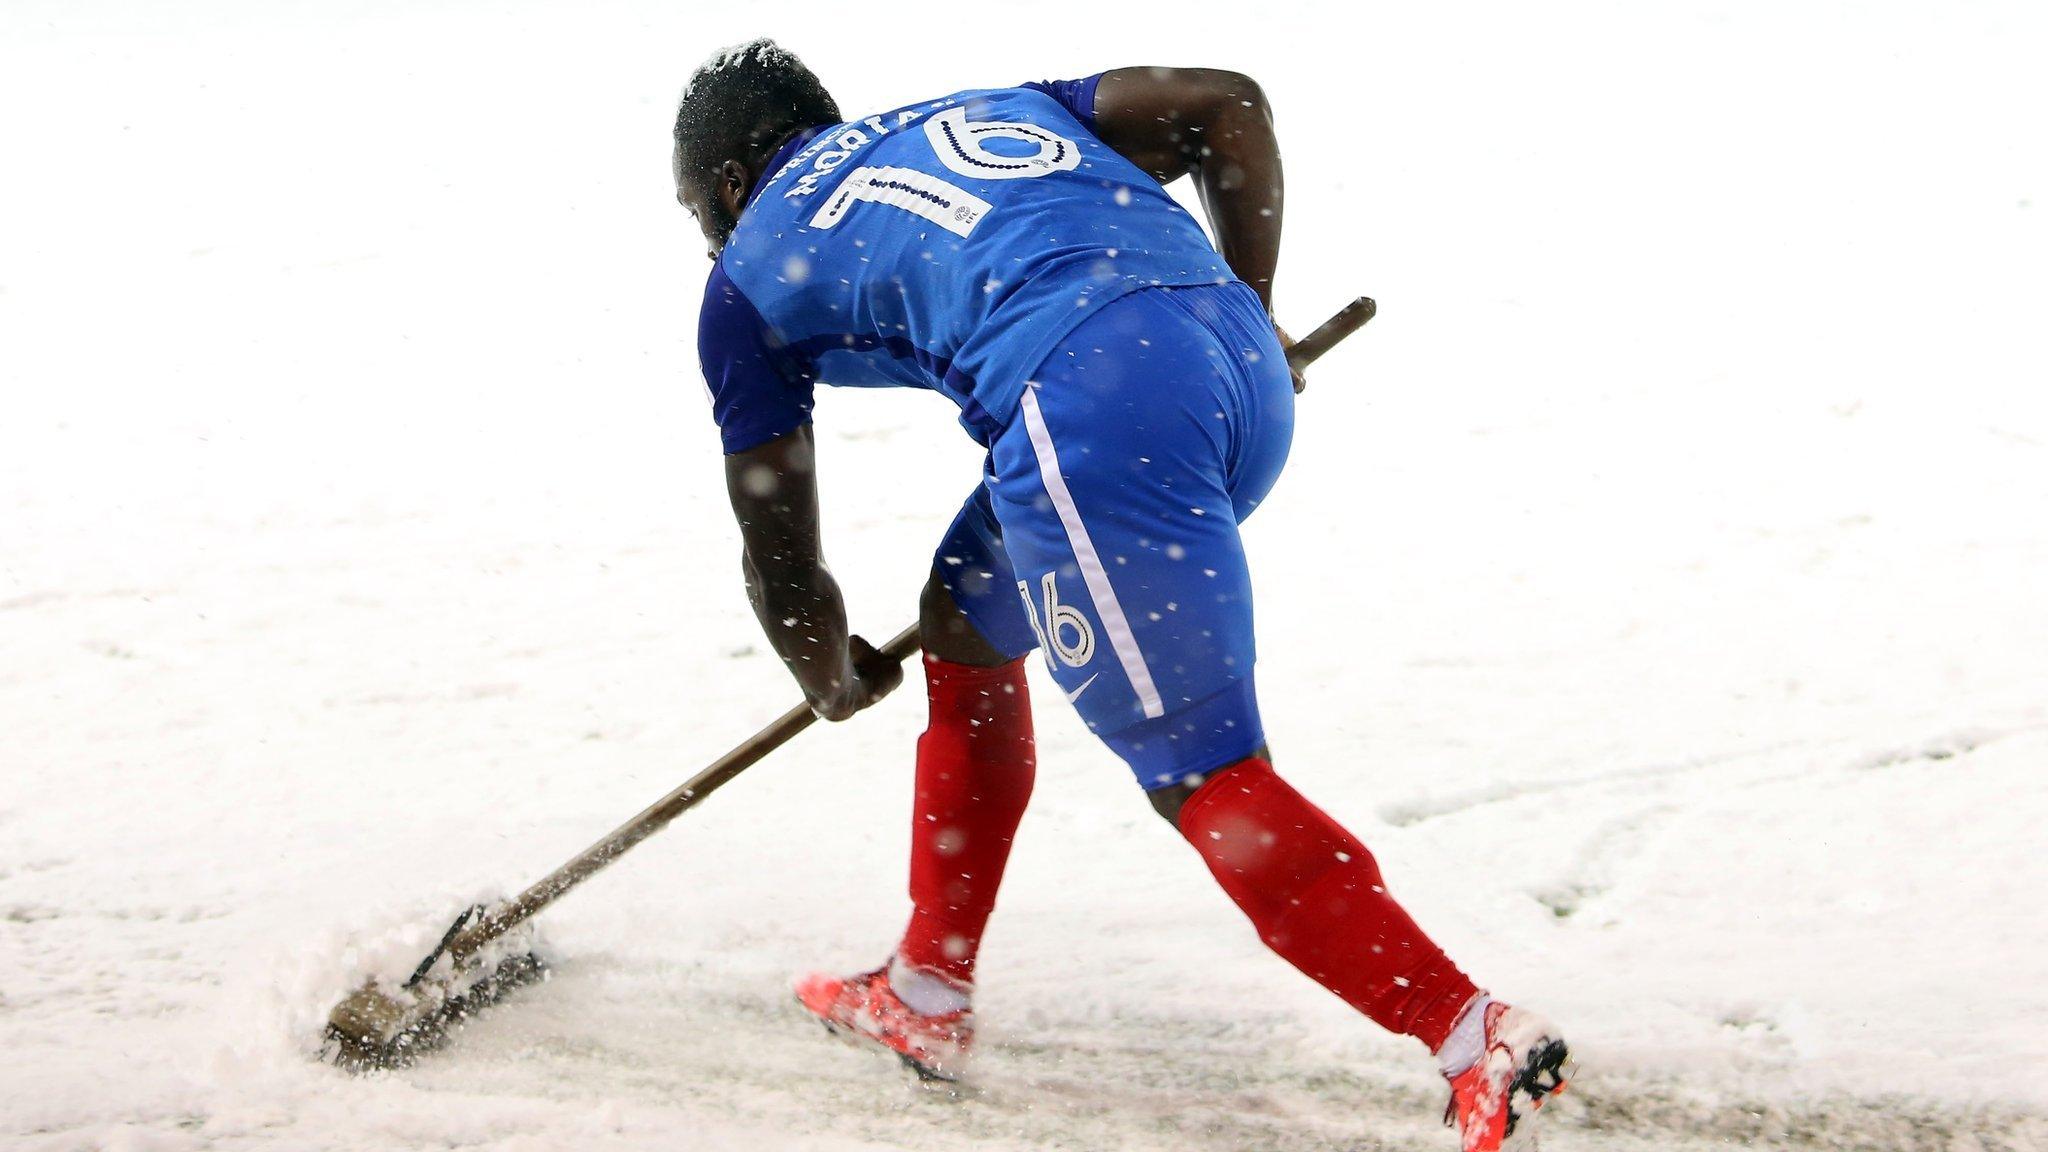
(759,389)
(1076,96)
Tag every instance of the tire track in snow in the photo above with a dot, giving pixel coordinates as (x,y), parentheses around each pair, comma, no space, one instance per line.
(1948,745)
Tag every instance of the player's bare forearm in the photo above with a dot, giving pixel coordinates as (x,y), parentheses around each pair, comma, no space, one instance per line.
(774,494)
(804,618)
(1216,128)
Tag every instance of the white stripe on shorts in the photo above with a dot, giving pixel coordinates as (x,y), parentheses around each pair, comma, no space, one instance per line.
(1092,573)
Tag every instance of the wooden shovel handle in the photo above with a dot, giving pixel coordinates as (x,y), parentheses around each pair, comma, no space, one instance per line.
(1349,319)
(651,820)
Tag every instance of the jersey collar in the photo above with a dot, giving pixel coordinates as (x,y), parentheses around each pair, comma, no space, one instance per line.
(782,155)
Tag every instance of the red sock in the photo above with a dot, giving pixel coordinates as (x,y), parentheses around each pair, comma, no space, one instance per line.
(1316,898)
(975,765)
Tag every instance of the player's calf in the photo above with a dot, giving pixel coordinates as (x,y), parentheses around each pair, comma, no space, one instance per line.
(975,768)
(1317,898)
(976,763)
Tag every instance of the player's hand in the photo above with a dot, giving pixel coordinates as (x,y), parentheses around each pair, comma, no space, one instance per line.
(874,676)
(1287,342)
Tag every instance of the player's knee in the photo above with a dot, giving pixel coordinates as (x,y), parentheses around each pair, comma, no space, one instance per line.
(933,602)
(1168,801)
(945,631)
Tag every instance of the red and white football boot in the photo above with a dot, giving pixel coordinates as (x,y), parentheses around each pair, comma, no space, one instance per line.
(866,1009)
(1524,1063)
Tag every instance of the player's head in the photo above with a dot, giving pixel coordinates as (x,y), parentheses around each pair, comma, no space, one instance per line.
(739,107)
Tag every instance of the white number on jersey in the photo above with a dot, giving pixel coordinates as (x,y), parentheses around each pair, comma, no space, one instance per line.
(960,145)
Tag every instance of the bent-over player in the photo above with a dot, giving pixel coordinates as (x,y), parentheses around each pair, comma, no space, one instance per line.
(1013,249)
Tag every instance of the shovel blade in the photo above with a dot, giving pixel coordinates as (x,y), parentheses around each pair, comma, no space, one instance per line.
(374,1028)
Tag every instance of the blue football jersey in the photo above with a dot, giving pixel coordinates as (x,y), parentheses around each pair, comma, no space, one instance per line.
(947,244)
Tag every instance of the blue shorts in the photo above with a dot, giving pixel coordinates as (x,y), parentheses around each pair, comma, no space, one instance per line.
(1105,531)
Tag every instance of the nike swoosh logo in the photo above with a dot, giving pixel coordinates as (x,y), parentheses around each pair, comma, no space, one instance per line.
(1076,693)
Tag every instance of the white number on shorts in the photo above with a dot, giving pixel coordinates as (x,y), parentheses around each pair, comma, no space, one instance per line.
(1052,633)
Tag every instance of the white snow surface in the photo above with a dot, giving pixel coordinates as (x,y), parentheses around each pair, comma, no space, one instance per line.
(1657,586)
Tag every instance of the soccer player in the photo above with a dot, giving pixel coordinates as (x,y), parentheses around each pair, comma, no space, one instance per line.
(1014,250)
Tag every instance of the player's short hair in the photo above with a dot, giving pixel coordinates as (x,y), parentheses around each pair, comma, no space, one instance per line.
(742,100)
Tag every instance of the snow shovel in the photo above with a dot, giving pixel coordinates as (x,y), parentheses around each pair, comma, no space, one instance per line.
(382,1028)
(375,1027)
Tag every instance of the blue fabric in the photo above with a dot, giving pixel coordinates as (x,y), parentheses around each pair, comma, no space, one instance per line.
(760,389)
(1169,414)
(947,244)
(976,570)
(1194,740)
(1076,96)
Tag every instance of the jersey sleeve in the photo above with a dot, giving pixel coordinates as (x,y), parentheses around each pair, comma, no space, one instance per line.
(759,389)
(1077,96)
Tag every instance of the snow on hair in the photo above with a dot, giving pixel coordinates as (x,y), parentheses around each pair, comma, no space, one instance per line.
(742,99)
(733,55)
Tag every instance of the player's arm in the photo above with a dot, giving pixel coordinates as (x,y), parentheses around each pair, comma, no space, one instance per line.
(1216,128)
(761,399)
(774,492)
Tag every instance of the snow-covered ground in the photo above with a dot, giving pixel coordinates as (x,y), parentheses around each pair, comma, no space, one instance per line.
(1658,585)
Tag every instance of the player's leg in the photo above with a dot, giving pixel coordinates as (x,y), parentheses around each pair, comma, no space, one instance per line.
(975,767)
(1143,560)
(976,761)
(947,634)
(1156,653)
(1317,898)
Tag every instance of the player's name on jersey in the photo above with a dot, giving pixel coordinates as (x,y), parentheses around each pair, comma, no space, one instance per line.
(832,149)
